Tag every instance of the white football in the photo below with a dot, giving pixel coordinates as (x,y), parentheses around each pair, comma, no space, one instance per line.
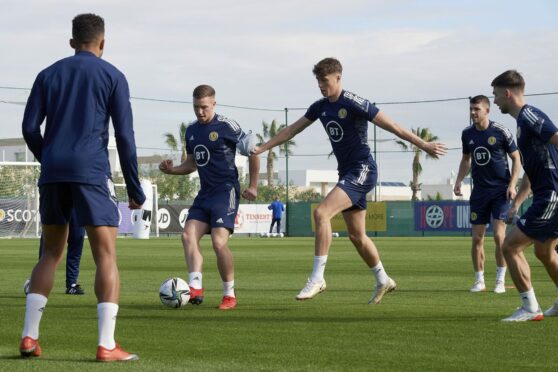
(174,292)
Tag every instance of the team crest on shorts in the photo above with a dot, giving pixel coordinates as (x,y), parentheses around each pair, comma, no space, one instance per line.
(213,136)
(342,113)
(491,140)
(473,216)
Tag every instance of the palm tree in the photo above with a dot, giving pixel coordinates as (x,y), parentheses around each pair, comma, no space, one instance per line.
(173,143)
(270,131)
(426,135)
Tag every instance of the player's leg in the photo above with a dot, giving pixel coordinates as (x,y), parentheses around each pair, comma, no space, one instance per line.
(355,220)
(279,226)
(76,237)
(194,230)
(513,249)
(499,230)
(96,209)
(55,212)
(103,247)
(42,279)
(477,256)
(272,224)
(225,265)
(335,202)
(546,253)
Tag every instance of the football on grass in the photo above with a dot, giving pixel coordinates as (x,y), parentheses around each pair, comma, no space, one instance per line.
(174,292)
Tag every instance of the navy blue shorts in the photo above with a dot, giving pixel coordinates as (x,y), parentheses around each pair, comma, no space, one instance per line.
(358,182)
(95,205)
(218,208)
(540,221)
(486,203)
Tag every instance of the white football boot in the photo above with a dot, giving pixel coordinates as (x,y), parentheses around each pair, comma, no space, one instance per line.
(500,287)
(311,289)
(381,290)
(522,315)
(478,286)
(552,311)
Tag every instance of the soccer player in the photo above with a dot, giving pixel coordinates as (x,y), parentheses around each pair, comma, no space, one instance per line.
(344,116)
(486,147)
(277,209)
(537,138)
(211,145)
(78,95)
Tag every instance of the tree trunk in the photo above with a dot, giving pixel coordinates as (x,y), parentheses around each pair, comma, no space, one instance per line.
(269,168)
(415,187)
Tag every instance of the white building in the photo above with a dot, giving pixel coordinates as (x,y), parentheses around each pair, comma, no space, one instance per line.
(15,149)
(445,190)
(323,181)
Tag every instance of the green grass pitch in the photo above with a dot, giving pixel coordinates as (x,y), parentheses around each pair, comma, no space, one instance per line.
(431,323)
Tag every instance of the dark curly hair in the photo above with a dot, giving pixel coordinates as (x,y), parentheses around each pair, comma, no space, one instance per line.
(87,28)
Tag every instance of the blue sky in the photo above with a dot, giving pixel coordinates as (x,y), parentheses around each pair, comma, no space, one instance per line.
(260,54)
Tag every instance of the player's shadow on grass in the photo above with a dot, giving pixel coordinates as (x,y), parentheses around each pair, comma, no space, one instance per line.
(34,361)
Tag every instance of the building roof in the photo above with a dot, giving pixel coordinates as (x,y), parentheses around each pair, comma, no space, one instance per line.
(12,142)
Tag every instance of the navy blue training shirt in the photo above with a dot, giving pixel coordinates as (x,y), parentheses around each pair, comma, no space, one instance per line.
(214,146)
(489,151)
(540,158)
(346,124)
(78,95)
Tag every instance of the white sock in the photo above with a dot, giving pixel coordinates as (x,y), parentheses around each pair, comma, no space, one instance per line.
(228,289)
(318,268)
(195,280)
(380,273)
(106,312)
(479,276)
(529,300)
(501,274)
(34,307)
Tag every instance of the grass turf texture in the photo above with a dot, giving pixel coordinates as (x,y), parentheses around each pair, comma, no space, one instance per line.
(431,323)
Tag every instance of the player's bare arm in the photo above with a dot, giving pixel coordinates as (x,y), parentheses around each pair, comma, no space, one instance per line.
(435,149)
(516,168)
(254,169)
(284,135)
(554,139)
(187,167)
(464,168)
(132,204)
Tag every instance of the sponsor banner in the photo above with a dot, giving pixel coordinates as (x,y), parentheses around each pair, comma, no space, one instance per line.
(251,218)
(255,218)
(171,218)
(376,218)
(442,216)
(18,216)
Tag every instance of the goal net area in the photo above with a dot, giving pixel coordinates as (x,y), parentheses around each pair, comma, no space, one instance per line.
(19,204)
(19,199)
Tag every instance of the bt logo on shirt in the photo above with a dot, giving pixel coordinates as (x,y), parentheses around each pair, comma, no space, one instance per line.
(334,131)
(481,156)
(202,155)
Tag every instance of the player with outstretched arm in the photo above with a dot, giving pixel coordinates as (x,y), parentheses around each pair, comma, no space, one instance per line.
(345,118)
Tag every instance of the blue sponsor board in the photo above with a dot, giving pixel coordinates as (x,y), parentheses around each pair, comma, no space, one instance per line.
(442,216)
